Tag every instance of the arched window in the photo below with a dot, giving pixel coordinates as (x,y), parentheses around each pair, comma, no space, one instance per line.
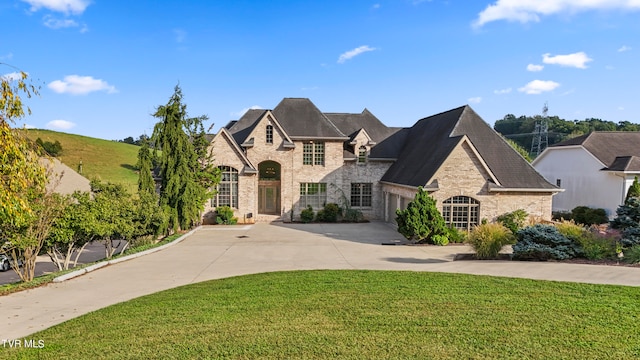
(362,154)
(227,192)
(462,212)
(269,134)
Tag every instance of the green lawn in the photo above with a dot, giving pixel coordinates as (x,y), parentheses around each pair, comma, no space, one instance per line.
(103,159)
(357,315)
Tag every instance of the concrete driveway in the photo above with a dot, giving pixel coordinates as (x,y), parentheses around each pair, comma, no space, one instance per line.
(222,251)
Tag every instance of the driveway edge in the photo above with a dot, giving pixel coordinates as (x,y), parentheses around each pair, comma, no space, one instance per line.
(102,264)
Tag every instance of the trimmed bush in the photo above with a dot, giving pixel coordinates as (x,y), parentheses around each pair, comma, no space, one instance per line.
(561,215)
(224,216)
(589,216)
(544,242)
(488,239)
(514,220)
(329,213)
(456,236)
(306,215)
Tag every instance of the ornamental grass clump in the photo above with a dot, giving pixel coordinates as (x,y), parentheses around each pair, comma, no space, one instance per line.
(488,239)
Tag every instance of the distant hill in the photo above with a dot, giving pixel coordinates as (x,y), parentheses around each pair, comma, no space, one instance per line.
(103,159)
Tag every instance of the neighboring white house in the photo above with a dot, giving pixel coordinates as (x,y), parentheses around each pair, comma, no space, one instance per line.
(595,170)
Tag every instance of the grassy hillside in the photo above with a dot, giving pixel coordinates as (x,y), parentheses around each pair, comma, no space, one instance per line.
(103,159)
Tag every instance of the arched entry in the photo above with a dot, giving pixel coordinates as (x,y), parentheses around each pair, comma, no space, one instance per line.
(269,188)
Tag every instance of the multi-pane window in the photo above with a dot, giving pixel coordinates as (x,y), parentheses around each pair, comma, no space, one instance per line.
(362,154)
(361,194)
(314,194)
(269,134)
(462,212)
(313,153)
(227,192)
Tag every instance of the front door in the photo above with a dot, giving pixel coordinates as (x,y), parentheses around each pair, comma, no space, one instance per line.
(269,198)
(269,188)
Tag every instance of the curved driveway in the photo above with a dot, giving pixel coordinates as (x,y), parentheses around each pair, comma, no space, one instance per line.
(224,251)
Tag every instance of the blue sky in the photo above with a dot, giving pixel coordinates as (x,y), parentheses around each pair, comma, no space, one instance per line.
(105,65)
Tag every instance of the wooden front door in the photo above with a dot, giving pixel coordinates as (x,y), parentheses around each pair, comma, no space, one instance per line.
(269,197)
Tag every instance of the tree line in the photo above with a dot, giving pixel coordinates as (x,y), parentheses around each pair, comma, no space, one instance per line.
(35,220)
(520,129)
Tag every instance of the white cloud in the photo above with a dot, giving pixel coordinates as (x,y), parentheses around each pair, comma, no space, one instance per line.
(534,67)
(375,6)
(60,125)
(12,76)
(621,108)
(243,111)
(475,100)
(502,91)
(624,48)
(80,85)
(524,11)
(53,23)
(64,6)
(355,52)
(577,60)
(539,86)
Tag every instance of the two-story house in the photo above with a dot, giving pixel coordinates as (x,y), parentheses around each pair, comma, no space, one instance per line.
(277,162)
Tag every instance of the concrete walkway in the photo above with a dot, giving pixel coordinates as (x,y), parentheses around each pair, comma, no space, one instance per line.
(221,251)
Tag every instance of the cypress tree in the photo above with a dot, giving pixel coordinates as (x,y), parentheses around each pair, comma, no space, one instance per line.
(180,193)
(145,177)
(421,221)
(634,190)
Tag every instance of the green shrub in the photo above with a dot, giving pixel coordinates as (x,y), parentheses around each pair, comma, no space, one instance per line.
(53,149)
(514,220)
(224,216)
(488,239)
(455,236)
(634,190)
(440,240)
(353,215)
(306,215)
(596,247)
(632,254)
(593,246)
(421,220)
(589,216)
(561,215)
(329,213)
(544,242)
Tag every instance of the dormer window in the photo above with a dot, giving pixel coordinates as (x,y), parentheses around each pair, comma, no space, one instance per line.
(269,137)
(362,154)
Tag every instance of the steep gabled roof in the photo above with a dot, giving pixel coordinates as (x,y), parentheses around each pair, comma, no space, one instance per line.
(350,124)
(606,146)
(301,119)
(430,141)
(242,128)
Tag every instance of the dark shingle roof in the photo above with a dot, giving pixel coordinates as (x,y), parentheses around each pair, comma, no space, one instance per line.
(430,141)
(300,118)
(242,128)
(350,124)
(606,146)
(625,163)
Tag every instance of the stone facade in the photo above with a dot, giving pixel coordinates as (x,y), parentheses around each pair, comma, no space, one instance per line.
(463,174)
(272,173)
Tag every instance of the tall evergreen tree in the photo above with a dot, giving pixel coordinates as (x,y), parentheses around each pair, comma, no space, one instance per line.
(145,177)
(182,193)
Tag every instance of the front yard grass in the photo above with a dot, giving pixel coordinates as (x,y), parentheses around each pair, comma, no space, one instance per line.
(357,315)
